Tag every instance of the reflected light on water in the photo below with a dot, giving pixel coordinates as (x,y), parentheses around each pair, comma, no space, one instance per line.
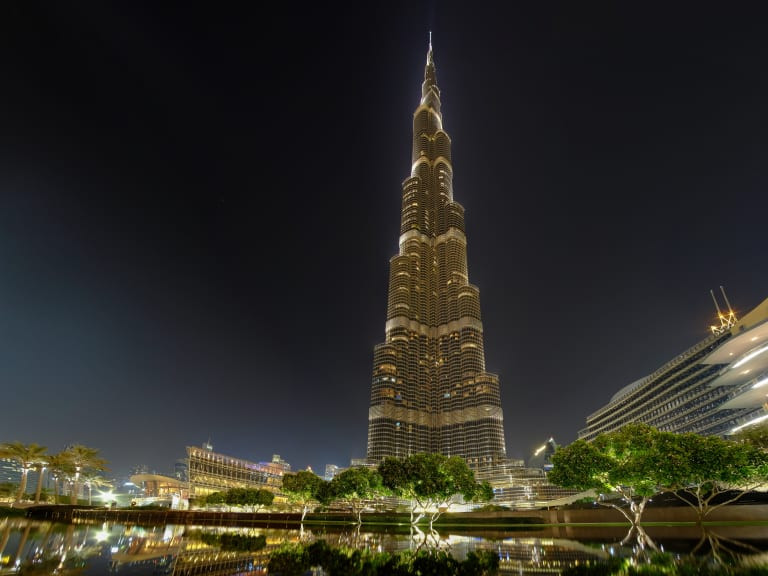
(177,549)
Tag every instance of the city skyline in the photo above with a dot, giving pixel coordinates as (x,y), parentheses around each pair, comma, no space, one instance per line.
(198,208)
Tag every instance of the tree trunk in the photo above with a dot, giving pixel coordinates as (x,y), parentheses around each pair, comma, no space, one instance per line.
(39,485)
(73,494)
(416,520)
(22,485)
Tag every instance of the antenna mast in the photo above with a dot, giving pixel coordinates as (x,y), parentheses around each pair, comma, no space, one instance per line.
(730,310)
(726,322)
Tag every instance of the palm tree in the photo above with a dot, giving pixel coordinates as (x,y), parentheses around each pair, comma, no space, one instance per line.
(59,468)
(27,455)
(84,460)
(40,467)
(91,481)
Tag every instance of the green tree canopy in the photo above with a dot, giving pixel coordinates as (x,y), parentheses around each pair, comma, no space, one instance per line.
(638,461)
(215,499)
(28,456)
(259,499)
(707,472)
(83,460)
(253,498)
(756,435)
(61,469)
(628,463)
(431,482)
(302,488)
(356,486)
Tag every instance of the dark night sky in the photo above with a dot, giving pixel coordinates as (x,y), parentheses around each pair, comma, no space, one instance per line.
(198,203)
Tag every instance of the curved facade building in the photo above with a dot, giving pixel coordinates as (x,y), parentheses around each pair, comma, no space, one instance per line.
(714,388)
(430,391)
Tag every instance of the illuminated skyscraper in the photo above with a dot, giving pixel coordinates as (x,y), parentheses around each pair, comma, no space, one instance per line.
(430,391)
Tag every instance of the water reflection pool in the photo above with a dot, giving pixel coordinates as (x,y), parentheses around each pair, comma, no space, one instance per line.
(34,547)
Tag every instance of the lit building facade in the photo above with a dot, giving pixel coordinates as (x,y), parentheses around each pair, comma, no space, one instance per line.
(430,391)
(160,490)
(11,472)
(211,472)
(714,388)
(330,471)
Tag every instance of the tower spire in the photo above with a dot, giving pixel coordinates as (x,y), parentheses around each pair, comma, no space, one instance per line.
(430,391)
(429,89)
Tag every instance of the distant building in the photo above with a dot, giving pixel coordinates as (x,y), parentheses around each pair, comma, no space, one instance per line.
(140,469)
(714,388)
(213,472)
(10,473)
(524,487)
(330,471)
(278,462)
(160,490)
(357,462)
(180,470)
(542,456)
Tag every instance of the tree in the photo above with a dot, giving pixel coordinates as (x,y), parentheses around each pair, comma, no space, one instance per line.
(83,460)
(40,466)
(214,498)
(302,488)
(27,456)
(431,482)
(756,435)
(7,490)
(60,469)
(707,472)
(356,486)
(396,476)
(626,462)
(256,499)
(92,480)
(248,497)
(236,497)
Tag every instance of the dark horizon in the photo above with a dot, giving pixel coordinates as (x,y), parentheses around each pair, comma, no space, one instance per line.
(198,208)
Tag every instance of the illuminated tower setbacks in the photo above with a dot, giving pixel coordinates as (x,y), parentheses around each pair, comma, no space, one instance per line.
(430,391)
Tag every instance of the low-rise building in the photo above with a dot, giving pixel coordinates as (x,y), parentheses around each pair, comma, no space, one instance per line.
(211,472)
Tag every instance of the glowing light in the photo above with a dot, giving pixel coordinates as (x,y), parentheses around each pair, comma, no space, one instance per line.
(760,383)
(753,421)
(539,449)
(751,355)
(108,496)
